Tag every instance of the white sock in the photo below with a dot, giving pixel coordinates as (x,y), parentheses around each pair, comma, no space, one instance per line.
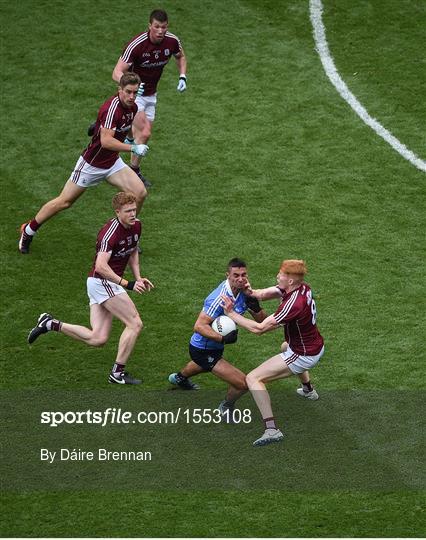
(29,231)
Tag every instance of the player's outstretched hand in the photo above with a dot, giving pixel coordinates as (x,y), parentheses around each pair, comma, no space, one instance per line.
(148,285)
(140,149)
(227,303)
(142,285)
(141,90)
(181,87)
(248,291)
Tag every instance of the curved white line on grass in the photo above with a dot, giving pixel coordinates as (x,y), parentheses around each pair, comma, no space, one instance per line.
(316,9)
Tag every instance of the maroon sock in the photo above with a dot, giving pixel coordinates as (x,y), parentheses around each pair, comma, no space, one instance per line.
(135,169)
(307,386)
(118,368)
(56,325)
(270,423)
(34,225)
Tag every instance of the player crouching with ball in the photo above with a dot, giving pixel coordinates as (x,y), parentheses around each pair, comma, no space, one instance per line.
(206,347)
(305,345)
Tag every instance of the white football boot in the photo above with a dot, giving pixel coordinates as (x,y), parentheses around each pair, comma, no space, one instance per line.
(270,436)
(313,395)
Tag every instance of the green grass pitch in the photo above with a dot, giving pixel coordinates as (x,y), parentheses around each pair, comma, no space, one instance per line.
(260,159)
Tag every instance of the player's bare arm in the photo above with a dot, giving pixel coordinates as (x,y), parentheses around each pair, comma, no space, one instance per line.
(262,294)
(268,324)
(110,143)
(181,65)
(104,269)
(270,293)
(120,68)
(203,326)
(134,265)
(142,284)
(181,62)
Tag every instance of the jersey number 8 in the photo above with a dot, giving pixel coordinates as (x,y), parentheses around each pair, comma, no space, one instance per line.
(311,302)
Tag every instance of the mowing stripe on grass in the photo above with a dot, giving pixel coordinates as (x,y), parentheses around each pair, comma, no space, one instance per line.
(316,9)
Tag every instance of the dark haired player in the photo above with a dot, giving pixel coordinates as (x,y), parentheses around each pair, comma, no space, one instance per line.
(147,54)
(100,160)
(116,247)
(305,345)
(206,346)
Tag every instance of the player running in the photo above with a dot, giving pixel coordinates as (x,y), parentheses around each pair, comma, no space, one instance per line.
(206,346)
(116,247)
(100,160)
(304,347)
(147,54)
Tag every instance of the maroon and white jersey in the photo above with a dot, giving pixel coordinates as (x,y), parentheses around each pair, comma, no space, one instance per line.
(148,59)
(120,242)
(297,312)
(112,115)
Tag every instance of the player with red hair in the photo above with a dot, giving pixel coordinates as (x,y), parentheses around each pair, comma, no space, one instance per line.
(303,346)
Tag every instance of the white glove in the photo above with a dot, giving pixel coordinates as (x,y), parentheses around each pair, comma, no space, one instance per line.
(181,87)
(141,90)
(140,149)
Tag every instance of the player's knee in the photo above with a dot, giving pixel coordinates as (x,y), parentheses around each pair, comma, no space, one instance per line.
(251,379)
(65,203)
(141,194)
(139,326)
(136,325)
(146,132)
(99,340)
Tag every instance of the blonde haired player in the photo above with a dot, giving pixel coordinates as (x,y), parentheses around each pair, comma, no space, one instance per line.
(116,248)
(302,349)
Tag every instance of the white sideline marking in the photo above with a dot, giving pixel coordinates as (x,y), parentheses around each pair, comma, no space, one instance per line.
(316,8)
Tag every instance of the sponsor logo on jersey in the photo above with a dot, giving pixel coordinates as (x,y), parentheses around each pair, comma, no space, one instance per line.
(147,64)
(123,129)
(123,252)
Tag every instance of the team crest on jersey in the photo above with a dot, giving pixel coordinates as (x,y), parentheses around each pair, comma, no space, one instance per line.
(167,52)
(136,237)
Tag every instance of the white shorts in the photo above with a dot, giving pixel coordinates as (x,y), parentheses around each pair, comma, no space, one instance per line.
(84,175)
(147,105)
(101,290)
(297,363)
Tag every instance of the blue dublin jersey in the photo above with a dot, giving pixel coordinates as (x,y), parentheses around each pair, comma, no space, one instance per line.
(213,308)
